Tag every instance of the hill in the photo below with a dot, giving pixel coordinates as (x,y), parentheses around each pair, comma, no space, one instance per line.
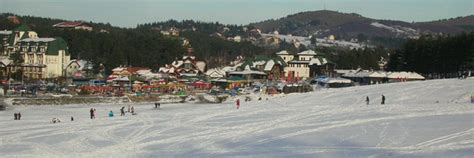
(420,119)
(350,25)
(140,46)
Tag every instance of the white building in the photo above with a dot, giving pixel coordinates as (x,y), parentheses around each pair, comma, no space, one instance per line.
(305,64)
(41,57)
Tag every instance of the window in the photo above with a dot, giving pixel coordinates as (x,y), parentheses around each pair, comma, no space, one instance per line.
(31,59)
(40,59)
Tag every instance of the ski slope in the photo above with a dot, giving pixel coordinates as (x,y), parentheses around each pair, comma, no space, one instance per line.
(420,119)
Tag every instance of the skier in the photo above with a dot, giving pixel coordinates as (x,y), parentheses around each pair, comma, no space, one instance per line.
(367,100)
(156,105)
(16,116)
(237,103)
(383,99)
(92,113)
(72,118)
(19,116)
(132,110)
(122,111)
(111,114)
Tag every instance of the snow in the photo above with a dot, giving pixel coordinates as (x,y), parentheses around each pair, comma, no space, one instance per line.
(421,119)
(396,29)
(38,39)
(269,65)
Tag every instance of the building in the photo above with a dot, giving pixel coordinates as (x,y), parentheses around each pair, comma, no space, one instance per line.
(187,66)
(271,66)
(306,64)
(74,25)
(38,57)
(79,69)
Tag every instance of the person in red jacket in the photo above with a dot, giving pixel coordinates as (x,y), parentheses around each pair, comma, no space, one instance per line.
(237,103)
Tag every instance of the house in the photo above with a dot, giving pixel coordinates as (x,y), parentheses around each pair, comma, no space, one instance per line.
(271,66)
(74,25)
(219,73)
(41,57)
(187,66)
(306,64)
(79,69)
(120,74)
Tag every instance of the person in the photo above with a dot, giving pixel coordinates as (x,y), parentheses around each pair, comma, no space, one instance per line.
(111,114)
(16,116)
(92,113)
(122,111)
(383,99)
(237,103)
(367,100)
(132,110)
(56,120)
(19,116)
(156,105)
(72,118)
(159,105)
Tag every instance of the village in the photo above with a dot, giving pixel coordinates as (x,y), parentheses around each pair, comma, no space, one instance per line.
(48,70)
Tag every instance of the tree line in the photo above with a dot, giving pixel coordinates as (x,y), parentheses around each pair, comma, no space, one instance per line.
(438,55)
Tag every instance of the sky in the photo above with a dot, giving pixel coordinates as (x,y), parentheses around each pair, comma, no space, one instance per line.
(129,13)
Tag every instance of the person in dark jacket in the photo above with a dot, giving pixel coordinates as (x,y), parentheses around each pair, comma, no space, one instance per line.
(122,111)
(19,116)
(383,99)
(367,100)
(92,113)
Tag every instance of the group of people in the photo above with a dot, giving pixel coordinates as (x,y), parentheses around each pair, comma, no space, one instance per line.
(367,100)
(131,109)
(17,116)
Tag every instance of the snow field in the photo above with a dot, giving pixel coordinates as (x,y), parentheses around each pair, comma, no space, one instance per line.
(420,119)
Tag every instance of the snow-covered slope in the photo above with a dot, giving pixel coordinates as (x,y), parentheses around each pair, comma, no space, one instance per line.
(420,119)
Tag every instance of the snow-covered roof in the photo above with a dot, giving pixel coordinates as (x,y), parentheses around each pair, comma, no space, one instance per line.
(5,61)
(256,63)
(269,65)
(307,52)
(177,63)
(406,75)
(230,68)
(247,72)
(5,32)
(215,73)
(201,65)
(283,52)
(37,39)
(343,71)
(299,62)
(377,74)
(334,80)
(318,61)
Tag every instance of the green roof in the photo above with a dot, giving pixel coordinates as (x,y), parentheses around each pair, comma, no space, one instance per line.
(22,27)
(11,40)
(56,45)
(262,58)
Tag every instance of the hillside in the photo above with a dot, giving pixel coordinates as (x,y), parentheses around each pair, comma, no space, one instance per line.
(420,119)
(141,46)
(346,26)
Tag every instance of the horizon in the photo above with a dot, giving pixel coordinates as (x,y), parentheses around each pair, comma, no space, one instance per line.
(119,13)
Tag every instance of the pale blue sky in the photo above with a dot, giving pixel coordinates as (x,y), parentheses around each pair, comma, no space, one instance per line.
(129,13)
